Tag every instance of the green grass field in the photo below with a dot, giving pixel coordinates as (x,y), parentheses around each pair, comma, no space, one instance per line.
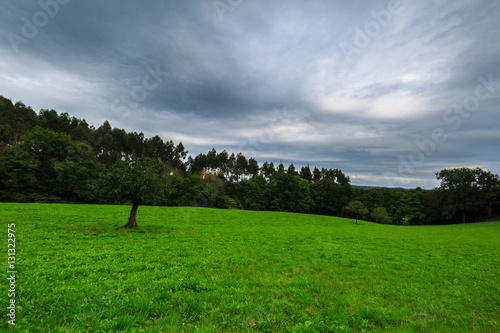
(208,270)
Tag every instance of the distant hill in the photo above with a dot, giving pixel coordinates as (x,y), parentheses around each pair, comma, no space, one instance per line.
(362,187)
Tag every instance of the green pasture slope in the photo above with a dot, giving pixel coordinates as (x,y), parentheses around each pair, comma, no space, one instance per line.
(208,270)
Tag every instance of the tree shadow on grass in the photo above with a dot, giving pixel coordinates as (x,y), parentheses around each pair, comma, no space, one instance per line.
(115,228)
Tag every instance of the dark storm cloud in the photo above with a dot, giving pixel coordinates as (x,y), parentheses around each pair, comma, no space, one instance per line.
(360,86)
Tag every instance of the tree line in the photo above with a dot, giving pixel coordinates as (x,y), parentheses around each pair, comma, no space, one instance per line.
(52,157)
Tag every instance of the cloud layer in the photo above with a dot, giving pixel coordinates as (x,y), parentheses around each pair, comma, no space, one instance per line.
(388,91)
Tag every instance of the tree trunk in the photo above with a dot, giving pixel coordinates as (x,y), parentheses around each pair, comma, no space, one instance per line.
(463,217)
(131,222)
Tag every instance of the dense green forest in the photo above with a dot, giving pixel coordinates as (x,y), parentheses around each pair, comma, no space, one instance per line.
(52,157)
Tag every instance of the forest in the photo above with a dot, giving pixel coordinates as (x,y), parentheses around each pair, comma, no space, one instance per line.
(53,157)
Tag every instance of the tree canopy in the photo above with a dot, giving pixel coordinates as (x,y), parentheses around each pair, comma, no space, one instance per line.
(468,190)
(357,209)
(135,180)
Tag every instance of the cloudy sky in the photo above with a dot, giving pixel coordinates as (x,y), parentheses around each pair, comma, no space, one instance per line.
(388,91)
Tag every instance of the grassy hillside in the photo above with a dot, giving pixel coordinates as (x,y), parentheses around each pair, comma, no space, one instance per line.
(207,270)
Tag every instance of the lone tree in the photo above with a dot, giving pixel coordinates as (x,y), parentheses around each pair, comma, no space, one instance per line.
(380,215)
(357,209)
(136,180)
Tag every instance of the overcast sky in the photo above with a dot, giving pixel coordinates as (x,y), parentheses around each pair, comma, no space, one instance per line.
(390,92)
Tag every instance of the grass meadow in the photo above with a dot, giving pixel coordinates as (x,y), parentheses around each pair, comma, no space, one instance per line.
(208,270)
